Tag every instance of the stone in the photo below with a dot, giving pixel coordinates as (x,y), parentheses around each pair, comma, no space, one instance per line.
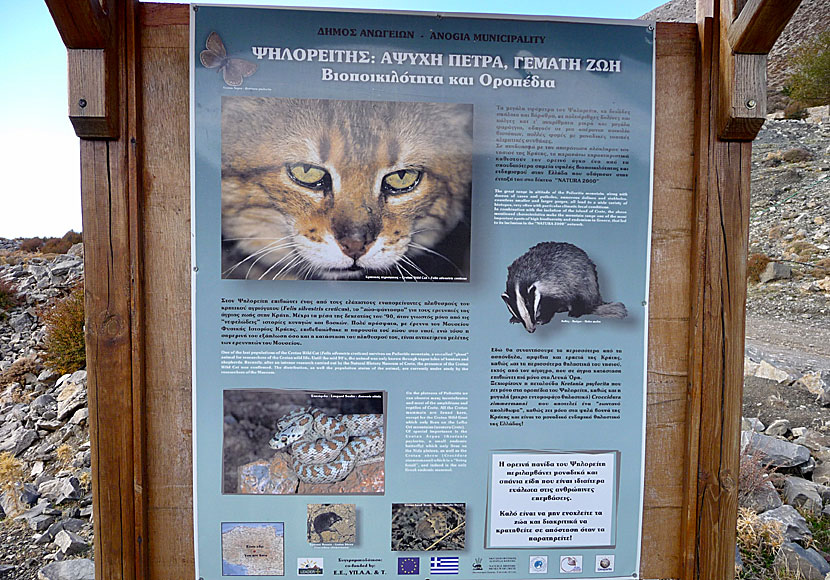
(813,440)
(752,424)
(80,569)
(775,271)
(766,371)
(774,451)
(61,490)
(18,441)
(778,428)
(43,401)
(801,493)
(799,431)
(71,398)
(793,523)
(80,416)
(29,495)
(821,474)
(41,522)
(21,323)
(762,499)
(804,563)
(70,543)
(816,382)
(264,477)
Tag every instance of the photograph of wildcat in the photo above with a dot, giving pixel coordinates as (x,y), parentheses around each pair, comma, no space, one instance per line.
(317,189)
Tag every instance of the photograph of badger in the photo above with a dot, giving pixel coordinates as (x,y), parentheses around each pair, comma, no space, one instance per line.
(555,277)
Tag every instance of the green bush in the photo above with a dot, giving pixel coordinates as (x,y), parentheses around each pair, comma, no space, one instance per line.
(810,83)
(65,349)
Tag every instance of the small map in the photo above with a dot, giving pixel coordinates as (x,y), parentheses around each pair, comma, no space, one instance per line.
(252,549)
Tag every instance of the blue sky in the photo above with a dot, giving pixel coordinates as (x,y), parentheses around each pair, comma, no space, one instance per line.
(39,159)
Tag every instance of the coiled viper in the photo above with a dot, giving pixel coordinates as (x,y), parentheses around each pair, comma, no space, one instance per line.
(326,449)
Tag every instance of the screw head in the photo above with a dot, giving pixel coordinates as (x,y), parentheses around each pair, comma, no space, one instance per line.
(751,103)
(82,103)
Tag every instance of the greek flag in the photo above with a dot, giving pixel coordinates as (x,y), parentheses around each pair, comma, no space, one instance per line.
(443,565)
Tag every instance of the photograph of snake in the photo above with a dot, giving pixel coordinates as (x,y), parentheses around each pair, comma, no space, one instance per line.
(428,527)
(293,441)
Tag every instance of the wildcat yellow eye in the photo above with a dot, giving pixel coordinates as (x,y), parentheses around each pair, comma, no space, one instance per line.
(401,181)
(308,175)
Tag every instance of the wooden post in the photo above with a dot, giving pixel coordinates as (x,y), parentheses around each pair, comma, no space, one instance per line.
(104,74)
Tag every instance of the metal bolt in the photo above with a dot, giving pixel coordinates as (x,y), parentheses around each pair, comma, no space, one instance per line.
(82,103)
(651,27)
(750,104)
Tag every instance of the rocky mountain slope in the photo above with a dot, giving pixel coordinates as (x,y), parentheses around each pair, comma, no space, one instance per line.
(811,18)
(45,497)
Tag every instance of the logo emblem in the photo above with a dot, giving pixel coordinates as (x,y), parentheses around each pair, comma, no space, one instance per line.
(409,566)
(443,565)
(477,567)
(309,566)
(605,563)
(570,564)
(538,565)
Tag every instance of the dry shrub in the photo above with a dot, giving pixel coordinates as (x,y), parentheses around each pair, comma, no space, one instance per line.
(776,232)
(801,248)
(755,265)
(64,453)
(754,473)
(759,541)
(796,155)
(61,245)
(18,370)
(85,479)
(8,298)
(11,477)
(31,245)
(822,269)
(65,349)
(795,110)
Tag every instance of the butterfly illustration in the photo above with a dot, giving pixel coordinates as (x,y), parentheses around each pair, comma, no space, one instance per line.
(234,70)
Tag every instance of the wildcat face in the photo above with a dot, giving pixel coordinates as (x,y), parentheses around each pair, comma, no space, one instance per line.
(324,189)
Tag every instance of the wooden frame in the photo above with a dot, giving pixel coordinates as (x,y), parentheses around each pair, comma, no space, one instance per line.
(129,62)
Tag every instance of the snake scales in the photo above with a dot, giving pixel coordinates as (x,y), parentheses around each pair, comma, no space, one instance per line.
(326,449)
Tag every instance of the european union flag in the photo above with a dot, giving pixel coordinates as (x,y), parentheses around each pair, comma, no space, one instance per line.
(408,566)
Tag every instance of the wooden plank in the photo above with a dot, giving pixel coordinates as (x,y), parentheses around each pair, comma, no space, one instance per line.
(661,529)
(134,135)
(759,25)
(114,335)
(716,353)
(81,23)
(166,225)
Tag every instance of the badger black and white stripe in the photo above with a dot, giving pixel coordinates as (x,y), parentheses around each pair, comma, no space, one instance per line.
(555,277)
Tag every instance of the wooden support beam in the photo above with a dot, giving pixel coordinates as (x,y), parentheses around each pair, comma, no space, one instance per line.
(759,24)
(93,92)
(88,31)
(81,23)
(743,95)
(743,83)
(111,196)
(716,348)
